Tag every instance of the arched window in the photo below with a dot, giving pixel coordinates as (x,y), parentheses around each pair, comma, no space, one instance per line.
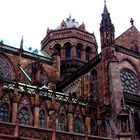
(87,54)
(24,117)
(78,125)
(4,112)
(79,49)
(137,124)
(57,48)
(42,119)
(61,122)
(129,82)
(67,47)
(94,88)
(5,68)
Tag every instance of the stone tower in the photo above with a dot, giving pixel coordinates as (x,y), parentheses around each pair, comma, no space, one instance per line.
(106,29)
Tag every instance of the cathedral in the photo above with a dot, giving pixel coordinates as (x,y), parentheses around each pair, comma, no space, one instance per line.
(67,90)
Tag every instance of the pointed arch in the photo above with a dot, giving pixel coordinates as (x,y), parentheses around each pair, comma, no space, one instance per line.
(62,118)
(24,116)
(42,115)
(42,119)
(133,65)
(7,70)
(78,120)
(4,112)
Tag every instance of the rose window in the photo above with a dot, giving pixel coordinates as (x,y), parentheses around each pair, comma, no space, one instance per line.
(129,82)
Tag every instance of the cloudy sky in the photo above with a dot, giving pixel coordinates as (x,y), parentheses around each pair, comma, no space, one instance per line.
(31,18)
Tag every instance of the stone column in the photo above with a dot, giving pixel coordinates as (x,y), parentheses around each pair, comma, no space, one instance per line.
(36,109)
(73,51)
(87,125)
(70,122)
(63,53)
(15,106)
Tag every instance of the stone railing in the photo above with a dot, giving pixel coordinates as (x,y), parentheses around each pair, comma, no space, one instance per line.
(18,132)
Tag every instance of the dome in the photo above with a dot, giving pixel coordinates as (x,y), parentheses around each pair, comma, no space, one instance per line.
(68,23)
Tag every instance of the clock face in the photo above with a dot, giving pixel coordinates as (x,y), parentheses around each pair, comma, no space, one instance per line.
(129,82)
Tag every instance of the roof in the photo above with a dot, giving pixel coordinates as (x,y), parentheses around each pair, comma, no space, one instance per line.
(129,38)
(68,23)
(38,52)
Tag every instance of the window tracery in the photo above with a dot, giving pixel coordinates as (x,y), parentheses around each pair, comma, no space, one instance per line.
(129,82)
(61,122)
(5,69)
(42,119)
(24,117)
(4,112)
(78,125)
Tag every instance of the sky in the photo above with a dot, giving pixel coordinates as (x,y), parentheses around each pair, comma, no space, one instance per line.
(31,18)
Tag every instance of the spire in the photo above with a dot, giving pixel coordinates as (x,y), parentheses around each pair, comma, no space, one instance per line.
(106,21)
(106,28)
(105,8)
(21,44)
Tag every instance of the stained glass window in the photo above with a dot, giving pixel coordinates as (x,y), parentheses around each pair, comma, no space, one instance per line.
(5,70)
(4,112)
(42,119)
(61,122)
(78,125)
(129,82)
(24,117)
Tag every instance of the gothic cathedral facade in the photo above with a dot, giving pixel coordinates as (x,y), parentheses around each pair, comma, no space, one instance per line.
(70,91)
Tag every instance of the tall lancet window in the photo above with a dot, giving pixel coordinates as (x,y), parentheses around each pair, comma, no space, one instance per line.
(95,90)
(61,122)
(129,82)
(24,116)
(4,112)
(78,125)
(42,119)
